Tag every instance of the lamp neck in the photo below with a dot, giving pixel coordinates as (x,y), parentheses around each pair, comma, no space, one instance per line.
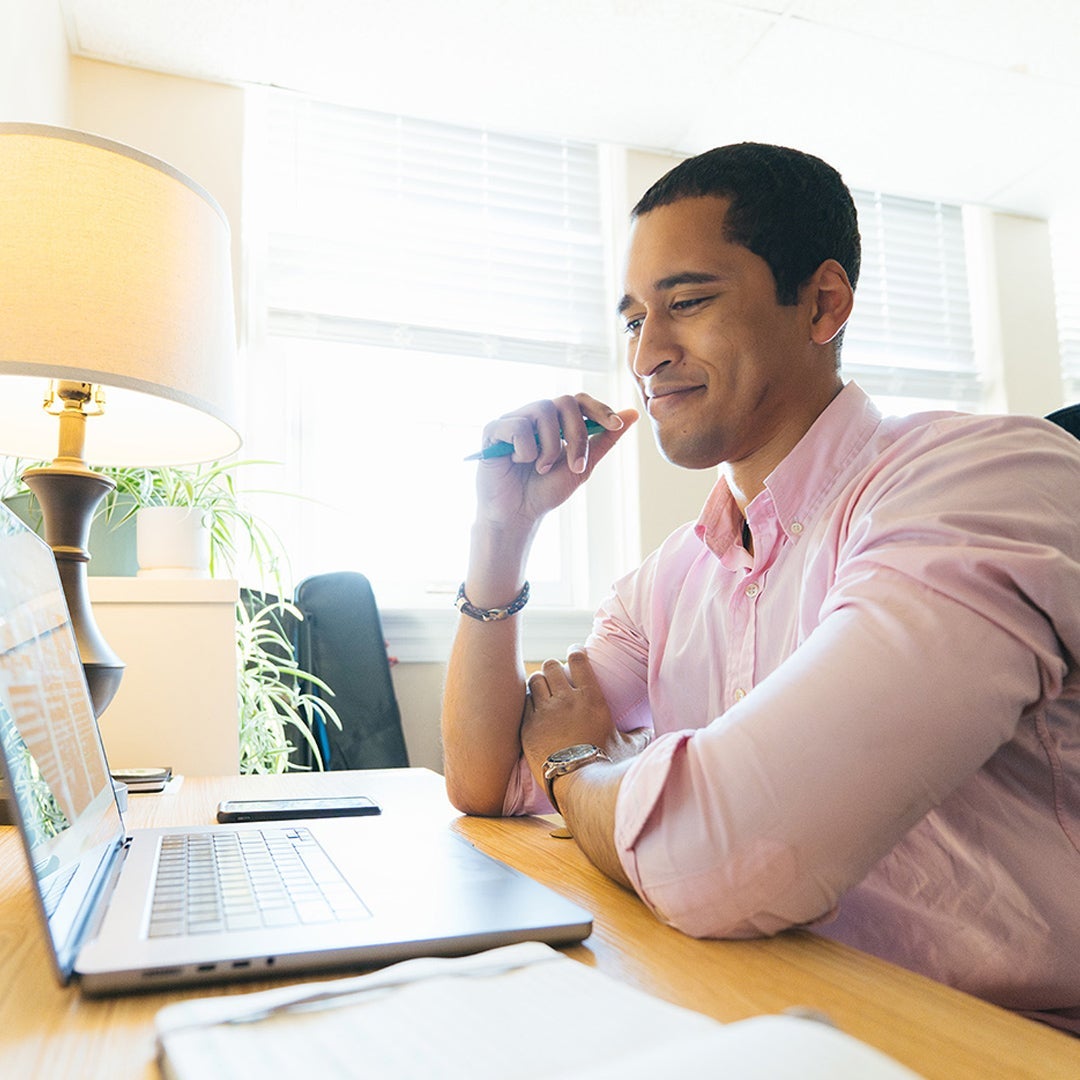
(72,402)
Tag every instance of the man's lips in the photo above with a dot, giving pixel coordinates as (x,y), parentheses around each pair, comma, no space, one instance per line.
(662,399)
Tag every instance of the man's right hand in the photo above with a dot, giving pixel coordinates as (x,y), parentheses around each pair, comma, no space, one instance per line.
(553,456)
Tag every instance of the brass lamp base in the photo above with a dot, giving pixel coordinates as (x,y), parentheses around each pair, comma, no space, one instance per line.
(68,498)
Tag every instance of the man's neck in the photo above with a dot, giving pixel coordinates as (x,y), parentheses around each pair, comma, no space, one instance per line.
(746,478)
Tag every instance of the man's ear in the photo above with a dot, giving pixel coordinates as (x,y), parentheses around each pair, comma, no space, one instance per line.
(831,297)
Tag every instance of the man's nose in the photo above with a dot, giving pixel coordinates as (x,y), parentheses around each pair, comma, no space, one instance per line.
(653,347)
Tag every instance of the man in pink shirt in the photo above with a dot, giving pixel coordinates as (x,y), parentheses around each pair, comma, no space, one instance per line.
(848,697)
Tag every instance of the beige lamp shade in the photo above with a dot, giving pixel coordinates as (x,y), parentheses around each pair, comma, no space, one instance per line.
(114,270)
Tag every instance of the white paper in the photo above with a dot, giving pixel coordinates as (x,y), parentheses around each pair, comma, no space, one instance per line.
(524,1011)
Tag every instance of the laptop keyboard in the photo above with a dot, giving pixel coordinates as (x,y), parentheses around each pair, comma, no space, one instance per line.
(213,882)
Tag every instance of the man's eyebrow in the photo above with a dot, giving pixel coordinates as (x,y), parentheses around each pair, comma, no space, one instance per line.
(686,277)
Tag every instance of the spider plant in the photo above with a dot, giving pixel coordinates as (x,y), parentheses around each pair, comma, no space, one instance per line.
(276,697)
(236,535)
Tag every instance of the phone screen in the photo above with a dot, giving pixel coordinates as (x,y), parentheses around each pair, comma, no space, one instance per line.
(287,809)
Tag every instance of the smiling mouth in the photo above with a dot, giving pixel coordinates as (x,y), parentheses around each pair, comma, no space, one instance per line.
(668,398)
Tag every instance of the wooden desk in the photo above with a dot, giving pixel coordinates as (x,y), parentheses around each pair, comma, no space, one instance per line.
(49,1033)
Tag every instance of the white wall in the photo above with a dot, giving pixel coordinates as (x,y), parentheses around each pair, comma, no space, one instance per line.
(33,63)
(1010,276)
(197,127)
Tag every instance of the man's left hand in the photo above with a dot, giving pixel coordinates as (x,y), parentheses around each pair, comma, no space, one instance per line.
(565,706)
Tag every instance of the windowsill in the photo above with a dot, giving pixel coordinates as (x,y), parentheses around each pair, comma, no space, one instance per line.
(413,635)
(162,590)
(423,635)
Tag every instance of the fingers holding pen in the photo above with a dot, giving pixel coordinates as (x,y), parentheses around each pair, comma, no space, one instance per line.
(585,416)
(543,433)
(600,435)
(536,432)
(549,432)
(517,435)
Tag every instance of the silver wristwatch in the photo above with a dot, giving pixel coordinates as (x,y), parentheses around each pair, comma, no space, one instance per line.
(568,760)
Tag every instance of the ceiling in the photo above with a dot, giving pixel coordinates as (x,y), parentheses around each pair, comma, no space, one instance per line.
(965,100)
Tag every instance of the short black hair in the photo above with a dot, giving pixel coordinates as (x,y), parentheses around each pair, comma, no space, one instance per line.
(788,207)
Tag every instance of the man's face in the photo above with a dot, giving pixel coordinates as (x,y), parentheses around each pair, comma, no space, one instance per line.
(722,368)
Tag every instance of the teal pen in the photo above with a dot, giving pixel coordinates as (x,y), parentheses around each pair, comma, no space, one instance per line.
(504,449)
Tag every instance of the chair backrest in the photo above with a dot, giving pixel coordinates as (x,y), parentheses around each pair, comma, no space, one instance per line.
(1067,418)
(340,641)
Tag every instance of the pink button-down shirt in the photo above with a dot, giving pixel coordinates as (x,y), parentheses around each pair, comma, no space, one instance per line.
(872,724)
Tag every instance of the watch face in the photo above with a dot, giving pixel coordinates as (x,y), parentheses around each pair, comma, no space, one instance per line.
(573,753)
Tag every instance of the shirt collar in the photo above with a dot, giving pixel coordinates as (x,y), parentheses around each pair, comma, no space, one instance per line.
(798,485)
(806,476)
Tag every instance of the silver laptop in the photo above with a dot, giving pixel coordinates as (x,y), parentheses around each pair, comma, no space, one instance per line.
(158,907)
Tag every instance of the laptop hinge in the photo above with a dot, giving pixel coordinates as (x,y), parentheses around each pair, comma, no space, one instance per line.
(103,888)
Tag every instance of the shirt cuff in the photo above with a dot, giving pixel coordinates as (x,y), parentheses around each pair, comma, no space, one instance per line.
(641,788)
(524,795)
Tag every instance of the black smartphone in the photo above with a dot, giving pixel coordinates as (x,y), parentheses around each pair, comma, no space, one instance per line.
(287,809)
(153,779)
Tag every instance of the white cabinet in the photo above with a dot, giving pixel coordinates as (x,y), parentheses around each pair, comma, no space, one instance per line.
(177,700)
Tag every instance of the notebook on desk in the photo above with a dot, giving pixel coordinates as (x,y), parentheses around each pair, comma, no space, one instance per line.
(303,896)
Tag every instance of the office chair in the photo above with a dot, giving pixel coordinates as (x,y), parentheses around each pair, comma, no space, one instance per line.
(340,641)
(1067,418)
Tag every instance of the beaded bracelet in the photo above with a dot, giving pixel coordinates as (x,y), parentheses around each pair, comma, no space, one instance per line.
(463,605)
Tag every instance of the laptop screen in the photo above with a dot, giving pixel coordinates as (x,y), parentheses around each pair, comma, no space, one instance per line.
(57,780)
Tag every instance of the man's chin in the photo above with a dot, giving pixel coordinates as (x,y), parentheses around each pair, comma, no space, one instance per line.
(684,450)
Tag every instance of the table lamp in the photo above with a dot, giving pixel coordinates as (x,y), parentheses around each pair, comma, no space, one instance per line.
(117,335)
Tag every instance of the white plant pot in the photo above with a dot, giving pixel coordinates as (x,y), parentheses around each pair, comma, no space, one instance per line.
(172,542)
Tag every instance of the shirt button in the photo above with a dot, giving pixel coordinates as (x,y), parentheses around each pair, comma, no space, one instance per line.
(796,528)
(753,589)
(740,694)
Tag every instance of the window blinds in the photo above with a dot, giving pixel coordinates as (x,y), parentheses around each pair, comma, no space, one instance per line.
(404,233)
(410,234)
(910,334)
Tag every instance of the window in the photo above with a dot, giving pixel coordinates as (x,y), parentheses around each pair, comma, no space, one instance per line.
(909,342)
(417,279)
